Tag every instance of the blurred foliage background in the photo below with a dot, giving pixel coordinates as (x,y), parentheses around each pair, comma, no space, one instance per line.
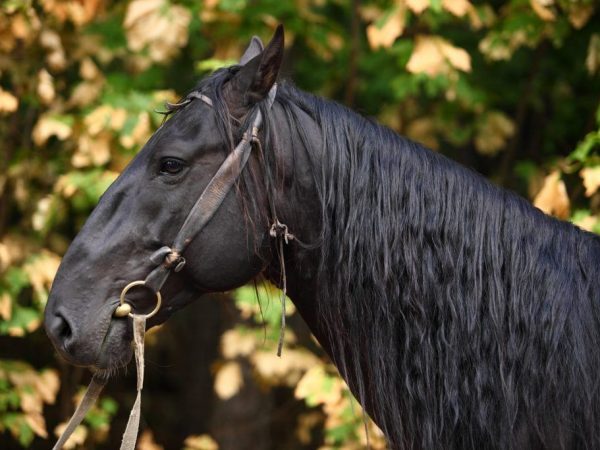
(509,88)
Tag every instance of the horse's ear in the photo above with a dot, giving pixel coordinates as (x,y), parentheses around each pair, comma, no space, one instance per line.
(254,49)
(257,76)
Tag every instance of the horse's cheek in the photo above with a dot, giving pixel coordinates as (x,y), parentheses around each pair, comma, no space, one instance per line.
(225,254)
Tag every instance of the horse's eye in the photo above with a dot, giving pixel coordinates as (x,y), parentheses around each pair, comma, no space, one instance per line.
(171,166)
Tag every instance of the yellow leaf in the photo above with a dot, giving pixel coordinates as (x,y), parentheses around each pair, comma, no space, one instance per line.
(92,150)
(592,60)
(542,9)
(579,14)
(417,6)
(77,438)
(312,386)
(140,133)
(228,380)
(387,34)
(553,199)
(37,423)
(99,119)
(88,70)
(48,126)
(31,402)
(434,55)
(138,9)
(286,370)
(457,7)
(8,102)
(202,442)
(47,384)
(85,93)
(587,223)
(591,179)
(158,25)
(45,87)
(41,271)
(493,133)
(235,344)
(457,57)
(13,249)
(369,13)
(51,41)
(79,12)
(146,442)
(16,331)
(5,306)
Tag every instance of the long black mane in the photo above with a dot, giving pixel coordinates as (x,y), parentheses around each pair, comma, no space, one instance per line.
(464,317)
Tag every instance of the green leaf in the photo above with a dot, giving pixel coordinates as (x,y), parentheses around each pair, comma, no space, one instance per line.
(15,279)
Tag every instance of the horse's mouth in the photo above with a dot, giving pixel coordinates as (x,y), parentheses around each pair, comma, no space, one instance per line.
(116,350)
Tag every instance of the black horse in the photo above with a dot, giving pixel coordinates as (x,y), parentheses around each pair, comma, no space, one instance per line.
(460,315)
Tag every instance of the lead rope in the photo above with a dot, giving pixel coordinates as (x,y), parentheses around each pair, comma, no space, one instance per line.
(91,395)
(133,424)
(97,384)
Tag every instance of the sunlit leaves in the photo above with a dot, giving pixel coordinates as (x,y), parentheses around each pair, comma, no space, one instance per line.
(55,57)
(202,442)
(544,9)
(146,441)
(21,316)
(76,439)
(417,6)
(95,425)
(48,125)
(592,61)
(228,380)
(434,55)
(8,102)
(41,270)
(23,394)
(553,198)
(493,132)
(591,179)
(344,423)
(384,32)
(45,87)
(457,7)
(160,27)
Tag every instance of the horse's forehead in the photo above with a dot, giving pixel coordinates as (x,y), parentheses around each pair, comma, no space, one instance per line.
(192,125)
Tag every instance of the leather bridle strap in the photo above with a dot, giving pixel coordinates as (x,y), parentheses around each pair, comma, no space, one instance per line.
(170,258)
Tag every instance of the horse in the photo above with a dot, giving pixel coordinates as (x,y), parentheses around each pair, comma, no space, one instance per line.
(459,315)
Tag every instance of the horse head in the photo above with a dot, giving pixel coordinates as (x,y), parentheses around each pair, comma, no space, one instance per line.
(144,210)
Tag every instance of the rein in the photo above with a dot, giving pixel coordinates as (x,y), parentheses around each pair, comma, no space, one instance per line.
(169,259)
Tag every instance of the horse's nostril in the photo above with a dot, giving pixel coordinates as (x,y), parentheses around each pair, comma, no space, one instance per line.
(60,327)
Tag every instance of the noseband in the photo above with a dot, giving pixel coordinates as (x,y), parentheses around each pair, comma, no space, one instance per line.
(168,259)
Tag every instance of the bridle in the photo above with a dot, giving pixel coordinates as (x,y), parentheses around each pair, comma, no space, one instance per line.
(169,259)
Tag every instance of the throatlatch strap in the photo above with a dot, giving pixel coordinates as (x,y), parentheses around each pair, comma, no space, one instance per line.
(91,395)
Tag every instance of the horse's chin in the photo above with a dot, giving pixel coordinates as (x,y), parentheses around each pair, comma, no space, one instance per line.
(116,349)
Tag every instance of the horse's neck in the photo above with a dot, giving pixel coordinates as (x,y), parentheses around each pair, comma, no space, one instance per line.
(299,208)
